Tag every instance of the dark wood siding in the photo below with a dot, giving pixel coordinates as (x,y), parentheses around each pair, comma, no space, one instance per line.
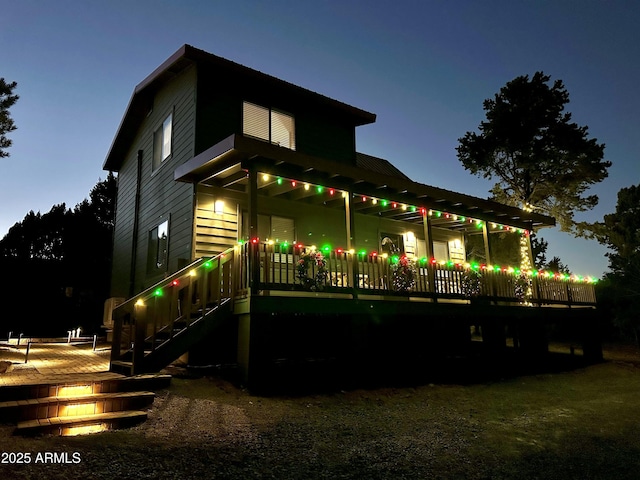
(160,196)
(319,131)
(122,238)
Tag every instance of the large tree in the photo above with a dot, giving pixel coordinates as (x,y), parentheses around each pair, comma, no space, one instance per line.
(540,159)
(620,231)
(7,100)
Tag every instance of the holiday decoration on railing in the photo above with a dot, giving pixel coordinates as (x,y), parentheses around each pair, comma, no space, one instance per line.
(404,274)
(315,264)
(522,288)
(472,283)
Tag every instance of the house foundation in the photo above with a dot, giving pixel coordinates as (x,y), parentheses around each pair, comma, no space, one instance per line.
(313,342)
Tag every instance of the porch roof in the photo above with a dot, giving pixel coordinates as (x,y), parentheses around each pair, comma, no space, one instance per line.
(226,165)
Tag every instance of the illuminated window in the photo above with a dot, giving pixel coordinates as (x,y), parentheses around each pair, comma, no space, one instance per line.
(278,229)
(162,142)
(157,256)
(441,251)
(269,125)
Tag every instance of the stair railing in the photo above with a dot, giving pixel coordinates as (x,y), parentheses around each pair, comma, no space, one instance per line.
(150,319)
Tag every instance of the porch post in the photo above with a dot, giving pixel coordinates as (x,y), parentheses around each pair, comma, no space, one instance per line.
(485,237)
(428,241)
(254,249)
(351,240)
(350,223)
(428,237)
(487,252)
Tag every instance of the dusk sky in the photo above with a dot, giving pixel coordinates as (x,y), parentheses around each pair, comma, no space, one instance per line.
(424,67)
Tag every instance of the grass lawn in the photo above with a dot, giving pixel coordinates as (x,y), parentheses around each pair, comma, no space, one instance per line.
(582,423)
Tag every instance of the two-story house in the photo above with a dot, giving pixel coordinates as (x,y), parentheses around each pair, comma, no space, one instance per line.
(244,206)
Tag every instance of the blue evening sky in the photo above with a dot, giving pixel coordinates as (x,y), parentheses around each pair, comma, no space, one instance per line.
(424,67)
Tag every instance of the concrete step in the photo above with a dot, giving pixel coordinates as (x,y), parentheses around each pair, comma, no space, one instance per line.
(81,424)
(73,405)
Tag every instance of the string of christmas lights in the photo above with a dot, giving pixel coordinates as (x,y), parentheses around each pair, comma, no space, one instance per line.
(363,254)
(385,203)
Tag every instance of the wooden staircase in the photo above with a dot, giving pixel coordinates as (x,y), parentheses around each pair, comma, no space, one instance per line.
(161,323)
(87,403)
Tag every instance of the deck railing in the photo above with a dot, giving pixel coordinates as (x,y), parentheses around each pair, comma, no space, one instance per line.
(150,320)
(290,267)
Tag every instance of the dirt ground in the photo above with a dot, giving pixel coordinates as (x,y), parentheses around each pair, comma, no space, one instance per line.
(580,423)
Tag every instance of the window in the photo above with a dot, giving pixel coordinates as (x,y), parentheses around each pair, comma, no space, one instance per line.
(162,142)
(278,229)
(157,256)
(441,251)
(270,125)
(282,229)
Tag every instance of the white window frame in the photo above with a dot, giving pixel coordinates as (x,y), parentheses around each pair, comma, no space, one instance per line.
(158,248)
(163,142)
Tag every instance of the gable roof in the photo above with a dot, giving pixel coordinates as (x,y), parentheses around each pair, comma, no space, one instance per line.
(186,56)
(378,165)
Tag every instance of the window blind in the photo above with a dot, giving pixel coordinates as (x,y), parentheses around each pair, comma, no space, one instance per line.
(255,121)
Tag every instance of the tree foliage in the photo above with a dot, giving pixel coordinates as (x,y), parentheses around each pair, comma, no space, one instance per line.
(60,262)
(7,100)
(539,157)
(505,249)
(620,231)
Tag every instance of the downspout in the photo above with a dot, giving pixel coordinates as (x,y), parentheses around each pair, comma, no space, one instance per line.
(136,221)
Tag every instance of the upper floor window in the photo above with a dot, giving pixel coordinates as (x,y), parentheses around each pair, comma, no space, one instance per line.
(269,125)
(162,142)
(158,246)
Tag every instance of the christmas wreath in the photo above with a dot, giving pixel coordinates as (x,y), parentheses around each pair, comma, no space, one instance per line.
(471,283)
(312,270)
(404,274)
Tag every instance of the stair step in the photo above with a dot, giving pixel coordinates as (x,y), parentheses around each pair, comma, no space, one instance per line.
(40,408)
(82,384)
(121,366)
(74,425)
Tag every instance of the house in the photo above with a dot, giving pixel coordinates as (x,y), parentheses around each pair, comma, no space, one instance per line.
(244,207)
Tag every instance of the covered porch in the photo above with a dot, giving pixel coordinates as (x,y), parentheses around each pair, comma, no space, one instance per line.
(307,224)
